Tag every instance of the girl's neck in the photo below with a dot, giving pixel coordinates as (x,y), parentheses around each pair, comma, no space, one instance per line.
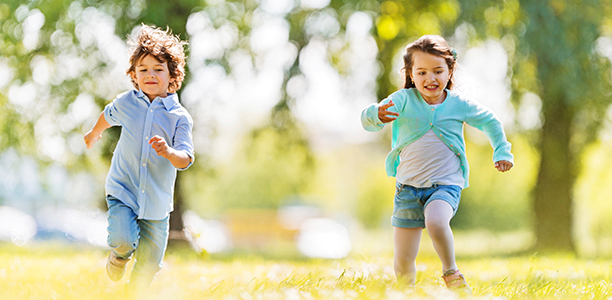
(436,101)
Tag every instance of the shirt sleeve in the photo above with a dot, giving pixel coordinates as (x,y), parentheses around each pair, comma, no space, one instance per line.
(183,140)
(112,113)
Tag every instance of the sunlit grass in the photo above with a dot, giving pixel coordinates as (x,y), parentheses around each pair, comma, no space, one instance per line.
(59,273)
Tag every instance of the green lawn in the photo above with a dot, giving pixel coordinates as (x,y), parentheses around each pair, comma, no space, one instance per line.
(59,273)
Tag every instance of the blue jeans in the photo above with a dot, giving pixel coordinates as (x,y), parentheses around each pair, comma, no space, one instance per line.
(146,239)
(410,202)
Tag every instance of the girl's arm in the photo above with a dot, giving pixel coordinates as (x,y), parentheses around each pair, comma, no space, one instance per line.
(96,132)
(375,116)
(486,121)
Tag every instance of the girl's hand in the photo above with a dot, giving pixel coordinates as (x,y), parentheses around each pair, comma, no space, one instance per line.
(503,165)
(386,116)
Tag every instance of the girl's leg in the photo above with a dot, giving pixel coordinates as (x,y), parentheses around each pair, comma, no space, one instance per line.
(407,242)
(150,251)
(438,214)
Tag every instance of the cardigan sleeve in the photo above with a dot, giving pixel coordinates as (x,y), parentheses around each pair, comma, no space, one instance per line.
(369,115)
(486,121)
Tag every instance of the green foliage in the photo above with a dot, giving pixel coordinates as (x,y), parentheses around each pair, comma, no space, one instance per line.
(497,201)
(593,204)
(374,203)
(270,167)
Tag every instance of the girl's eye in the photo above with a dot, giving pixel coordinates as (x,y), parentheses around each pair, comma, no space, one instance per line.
(421,73)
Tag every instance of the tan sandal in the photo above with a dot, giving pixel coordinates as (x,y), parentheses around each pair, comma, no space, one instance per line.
(456,281)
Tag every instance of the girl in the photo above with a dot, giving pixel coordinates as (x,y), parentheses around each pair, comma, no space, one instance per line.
(428,153)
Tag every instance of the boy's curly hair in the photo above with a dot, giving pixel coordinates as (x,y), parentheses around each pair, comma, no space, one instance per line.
(164,47)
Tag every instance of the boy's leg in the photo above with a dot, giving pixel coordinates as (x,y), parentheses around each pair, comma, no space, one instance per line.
(122,236)
(150,251)
(438,214)
(407,242)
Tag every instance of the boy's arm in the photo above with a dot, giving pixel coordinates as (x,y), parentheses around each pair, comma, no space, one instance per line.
(179,158)
(96,132)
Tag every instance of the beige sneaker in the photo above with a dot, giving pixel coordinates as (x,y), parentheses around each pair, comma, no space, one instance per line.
(456,281)
(115,267)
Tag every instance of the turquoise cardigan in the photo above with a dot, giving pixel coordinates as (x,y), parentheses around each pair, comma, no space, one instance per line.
(416,117)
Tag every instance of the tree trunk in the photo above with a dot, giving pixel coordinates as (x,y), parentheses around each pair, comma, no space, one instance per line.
(553,191)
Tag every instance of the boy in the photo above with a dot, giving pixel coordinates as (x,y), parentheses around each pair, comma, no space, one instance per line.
(155,141)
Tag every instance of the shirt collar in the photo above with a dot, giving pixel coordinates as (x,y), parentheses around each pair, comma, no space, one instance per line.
(169,101)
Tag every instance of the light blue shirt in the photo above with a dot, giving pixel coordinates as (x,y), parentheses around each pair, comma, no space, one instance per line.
(139,177)
(417,117)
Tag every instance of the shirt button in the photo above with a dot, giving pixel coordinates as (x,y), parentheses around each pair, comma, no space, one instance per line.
(430,124)
(142,191)
(151,110)
(144,165)
(432,109)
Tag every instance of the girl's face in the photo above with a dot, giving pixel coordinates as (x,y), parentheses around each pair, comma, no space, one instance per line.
(430,74)
(152,76)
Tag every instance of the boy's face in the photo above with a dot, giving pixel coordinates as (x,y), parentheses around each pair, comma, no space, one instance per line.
(152,76)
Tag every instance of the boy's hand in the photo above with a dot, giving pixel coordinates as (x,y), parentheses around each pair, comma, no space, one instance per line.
(384,115)
(179,159)
(91,138)
(503,165)
(160,146)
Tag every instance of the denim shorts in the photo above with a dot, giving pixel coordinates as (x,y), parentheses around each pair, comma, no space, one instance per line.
(410,202)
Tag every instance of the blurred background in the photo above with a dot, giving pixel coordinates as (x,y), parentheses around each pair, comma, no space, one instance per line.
(276,88)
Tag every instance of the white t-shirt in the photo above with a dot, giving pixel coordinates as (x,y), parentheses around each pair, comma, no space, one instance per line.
(429,161)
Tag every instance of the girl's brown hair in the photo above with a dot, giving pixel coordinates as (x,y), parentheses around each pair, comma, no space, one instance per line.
(164,47)
(430,44)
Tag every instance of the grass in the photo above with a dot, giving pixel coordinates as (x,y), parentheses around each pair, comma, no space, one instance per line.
(55,272)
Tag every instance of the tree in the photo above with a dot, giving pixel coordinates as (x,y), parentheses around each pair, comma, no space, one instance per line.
(560,41)
(552,48)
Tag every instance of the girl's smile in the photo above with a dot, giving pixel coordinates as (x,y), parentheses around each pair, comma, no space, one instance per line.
(430,75)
